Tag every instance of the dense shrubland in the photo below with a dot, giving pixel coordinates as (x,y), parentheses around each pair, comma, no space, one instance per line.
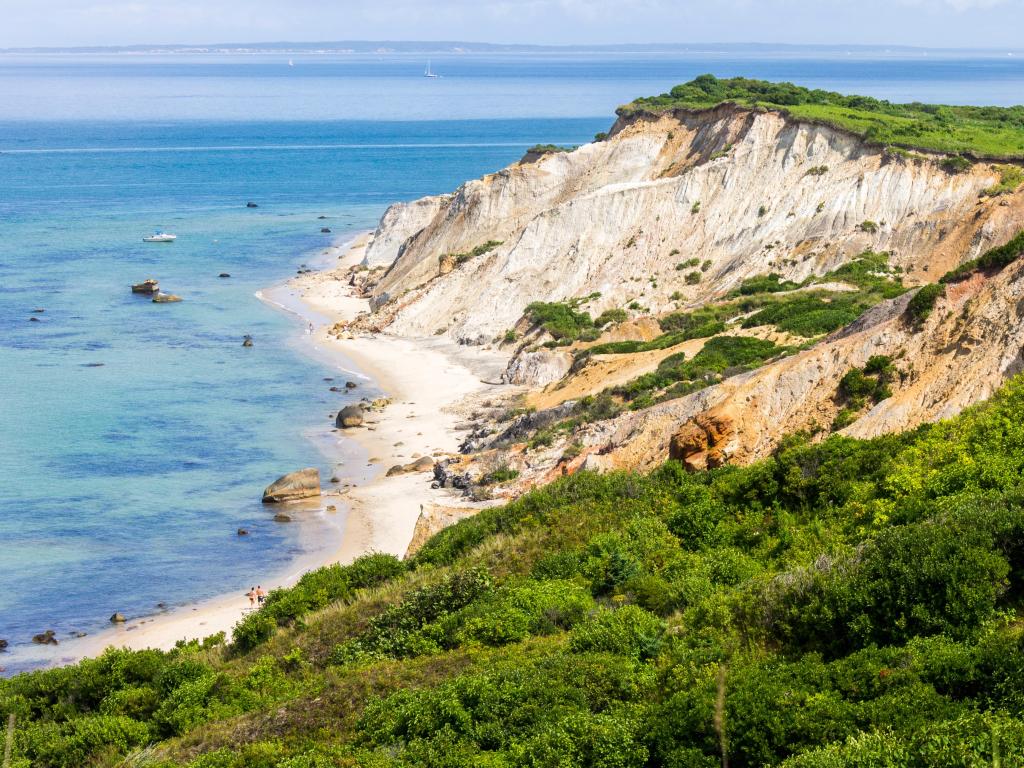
(847,603)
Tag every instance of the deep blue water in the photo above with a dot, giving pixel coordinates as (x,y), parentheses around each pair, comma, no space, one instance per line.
(122,484)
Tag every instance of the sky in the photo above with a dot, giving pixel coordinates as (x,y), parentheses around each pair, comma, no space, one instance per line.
(926,23)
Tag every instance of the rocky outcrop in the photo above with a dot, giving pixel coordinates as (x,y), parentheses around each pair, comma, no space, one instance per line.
(422,464)
(538,368)
(704,441)
(146,286)
(400,222)
(49,637)
(433,519)
(303,484)
(118,618)
(740,190)
(348,417)
(165,298)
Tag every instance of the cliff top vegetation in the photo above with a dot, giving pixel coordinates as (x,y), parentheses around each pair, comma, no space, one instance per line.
(981,132)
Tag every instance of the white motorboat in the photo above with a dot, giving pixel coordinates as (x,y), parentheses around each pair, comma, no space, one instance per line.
(160,237)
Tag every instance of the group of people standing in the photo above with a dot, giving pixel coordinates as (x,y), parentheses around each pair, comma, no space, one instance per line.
(256,596)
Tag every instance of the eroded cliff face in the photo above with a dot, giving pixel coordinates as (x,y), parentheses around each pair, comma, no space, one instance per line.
(721,195)
(750,192)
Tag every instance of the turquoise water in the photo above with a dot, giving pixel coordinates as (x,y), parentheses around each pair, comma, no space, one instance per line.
(135,438)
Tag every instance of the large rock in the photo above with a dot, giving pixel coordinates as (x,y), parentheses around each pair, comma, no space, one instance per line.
(538,368)
(45,638)
(3,644)
(165,298)
(146,286)
(701,443)
(349,416)
(422,464)
(118,618)
(303,484)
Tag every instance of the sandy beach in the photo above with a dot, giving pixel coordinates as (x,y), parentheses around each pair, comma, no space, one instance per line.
(433,387)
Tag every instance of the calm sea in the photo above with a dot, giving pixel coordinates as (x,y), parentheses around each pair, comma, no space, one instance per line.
(136,438)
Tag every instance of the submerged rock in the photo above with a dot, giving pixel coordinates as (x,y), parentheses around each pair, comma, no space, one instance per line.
(3,644)
(350,416)
(146,286)
(350,385)
(280,517)
(224,274)
(325,230)
(251,204)
(303,484)
(165,298)
(247,341)
(33,319)
(243,532)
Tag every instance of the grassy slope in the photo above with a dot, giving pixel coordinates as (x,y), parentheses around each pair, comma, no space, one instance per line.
(856,599)
(982,132)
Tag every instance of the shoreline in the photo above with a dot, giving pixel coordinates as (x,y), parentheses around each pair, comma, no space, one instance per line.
(432,387)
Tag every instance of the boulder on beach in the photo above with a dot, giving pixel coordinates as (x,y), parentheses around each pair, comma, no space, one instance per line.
(349,416)
(422,464)
(146,286)
(45,638)
(165,298)
(118,618)
(303,484)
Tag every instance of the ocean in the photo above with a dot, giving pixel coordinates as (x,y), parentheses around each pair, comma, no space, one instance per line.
(135,438)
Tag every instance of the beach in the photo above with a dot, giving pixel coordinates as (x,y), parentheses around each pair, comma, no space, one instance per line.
(433,387)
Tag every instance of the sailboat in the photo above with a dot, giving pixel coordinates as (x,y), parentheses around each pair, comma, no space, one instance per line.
(429,72)
(291,63)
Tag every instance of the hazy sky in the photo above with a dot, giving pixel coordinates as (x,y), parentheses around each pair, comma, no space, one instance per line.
(929,23)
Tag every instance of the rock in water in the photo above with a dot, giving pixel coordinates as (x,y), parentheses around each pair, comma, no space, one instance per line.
(146,286)
(118,618)
(350,416)
(325,230)
(165,298)
(224,274)
(350,385)
(242,532)
(45,638)
(251,204)
(3,644)
(280,517)
(303,484)
(247,341)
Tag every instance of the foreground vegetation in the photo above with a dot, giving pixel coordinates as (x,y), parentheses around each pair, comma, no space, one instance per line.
(850,603)
(983,132)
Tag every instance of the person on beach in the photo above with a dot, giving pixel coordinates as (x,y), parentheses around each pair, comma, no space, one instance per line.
(251,594)
(260,594)
(310,329)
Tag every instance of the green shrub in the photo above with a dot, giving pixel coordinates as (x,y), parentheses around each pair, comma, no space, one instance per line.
(692,278)
(628,631)
(994,258)
(923,302)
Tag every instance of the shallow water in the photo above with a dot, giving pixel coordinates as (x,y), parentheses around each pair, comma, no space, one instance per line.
(135,438)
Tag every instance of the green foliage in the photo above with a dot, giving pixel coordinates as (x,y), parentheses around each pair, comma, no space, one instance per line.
(770,283)
(981,131)
(923,302)
(992,259)
(868,226)
(562,320)
(480,250)
(692,278)
(500,475)
(857,601)
(817,170)
(552,149)
(611,316)
(1010,178)
(312,592)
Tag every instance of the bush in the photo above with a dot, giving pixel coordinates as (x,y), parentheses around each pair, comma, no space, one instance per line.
(994,258)
(628,631)
(923,302)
